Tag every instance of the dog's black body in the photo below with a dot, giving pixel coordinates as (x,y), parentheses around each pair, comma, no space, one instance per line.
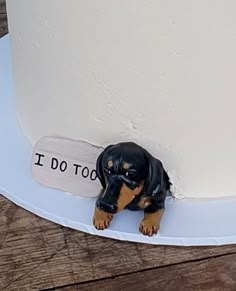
(141,169)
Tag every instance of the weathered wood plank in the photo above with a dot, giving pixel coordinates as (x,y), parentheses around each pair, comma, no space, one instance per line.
(36,253)
(3,19)
(215,274)
(3,30)
(2,6)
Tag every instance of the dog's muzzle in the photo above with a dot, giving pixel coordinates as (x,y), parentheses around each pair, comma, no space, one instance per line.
(107,201)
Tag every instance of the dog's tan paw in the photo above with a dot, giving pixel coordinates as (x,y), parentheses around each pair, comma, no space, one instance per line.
(101,224)
(151,223)
(148,227)
(101,220)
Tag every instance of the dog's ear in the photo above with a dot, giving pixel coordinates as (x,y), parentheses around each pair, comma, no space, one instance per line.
(154,180)
(99,169)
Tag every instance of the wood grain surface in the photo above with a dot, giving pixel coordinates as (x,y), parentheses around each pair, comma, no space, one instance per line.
(36,254)
(209,274)
(3,18)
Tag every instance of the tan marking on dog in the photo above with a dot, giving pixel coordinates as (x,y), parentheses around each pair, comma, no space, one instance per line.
(126,166)
(144,202)
(110,164)
(101,219)
(127,195)
(151,223)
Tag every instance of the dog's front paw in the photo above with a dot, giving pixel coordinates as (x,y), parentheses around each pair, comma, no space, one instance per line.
(148,227)
(101,224)
(151,222)
(101,219)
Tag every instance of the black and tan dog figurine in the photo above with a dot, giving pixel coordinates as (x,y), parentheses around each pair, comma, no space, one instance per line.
(133,179)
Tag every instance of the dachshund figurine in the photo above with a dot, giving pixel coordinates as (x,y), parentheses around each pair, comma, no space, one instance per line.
(133,179)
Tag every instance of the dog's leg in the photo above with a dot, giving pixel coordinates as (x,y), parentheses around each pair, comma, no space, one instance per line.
(153,214)
(101,219)
(151,222)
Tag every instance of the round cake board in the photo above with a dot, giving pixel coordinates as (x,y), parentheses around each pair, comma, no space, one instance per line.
(185,222)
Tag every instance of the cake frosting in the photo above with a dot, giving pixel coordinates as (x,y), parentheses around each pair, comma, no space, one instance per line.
(159,73)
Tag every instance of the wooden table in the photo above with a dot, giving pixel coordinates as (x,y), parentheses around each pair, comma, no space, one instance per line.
(36,254)
(3,18)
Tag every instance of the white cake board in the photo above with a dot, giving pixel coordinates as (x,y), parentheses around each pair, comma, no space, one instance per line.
(185,222)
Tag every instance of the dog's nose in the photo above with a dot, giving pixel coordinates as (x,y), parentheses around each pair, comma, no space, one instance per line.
(107,207)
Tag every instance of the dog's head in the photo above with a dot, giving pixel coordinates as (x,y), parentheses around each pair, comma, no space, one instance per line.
(126,170)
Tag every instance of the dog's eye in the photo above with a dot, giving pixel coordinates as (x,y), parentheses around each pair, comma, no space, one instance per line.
(130,175)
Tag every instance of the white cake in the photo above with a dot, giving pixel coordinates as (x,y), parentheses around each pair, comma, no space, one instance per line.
(160,73)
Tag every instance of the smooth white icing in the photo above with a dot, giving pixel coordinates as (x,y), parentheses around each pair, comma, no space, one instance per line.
(161,73)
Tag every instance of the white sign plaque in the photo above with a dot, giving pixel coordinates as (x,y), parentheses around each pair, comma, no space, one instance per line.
(67,165)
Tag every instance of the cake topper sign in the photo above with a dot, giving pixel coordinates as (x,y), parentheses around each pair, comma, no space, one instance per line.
(62,166)
(67,165)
